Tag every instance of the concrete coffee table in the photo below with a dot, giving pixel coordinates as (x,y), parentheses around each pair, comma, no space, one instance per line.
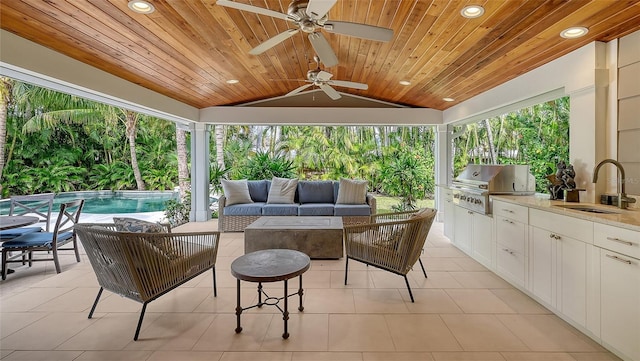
(317,236)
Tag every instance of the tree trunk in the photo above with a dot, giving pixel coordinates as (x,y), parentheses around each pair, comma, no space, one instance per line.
(183,168)
(219,146)
(5,97)
(132,128)
(492,146)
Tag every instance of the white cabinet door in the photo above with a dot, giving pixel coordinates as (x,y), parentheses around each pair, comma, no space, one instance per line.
(449,216)
(572,279)
(541,276)
(462,232)
(482,242)
(510,249)
(620,307)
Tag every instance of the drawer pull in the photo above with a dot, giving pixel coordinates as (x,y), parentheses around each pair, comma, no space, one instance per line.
(508,221)
(618,259)
(554,236)
(511,252)
(620,241)
(507,210)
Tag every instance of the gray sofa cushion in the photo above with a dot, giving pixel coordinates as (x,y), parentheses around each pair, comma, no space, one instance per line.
(316,209)
(351,210)
(247,209)
(280,209)
(259,189)
(315,192)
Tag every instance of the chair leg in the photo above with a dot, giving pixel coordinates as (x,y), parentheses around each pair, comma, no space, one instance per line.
(144,308)
(406,280)
(75,248)
(346,269)
(55,260)
(422,266)
(95,303)
(4,264)
(215,289)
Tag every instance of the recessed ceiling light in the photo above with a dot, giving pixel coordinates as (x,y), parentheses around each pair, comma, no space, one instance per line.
(405,82)
(574,32)
(233,81)
(142,7)
(448,99)
(472,11)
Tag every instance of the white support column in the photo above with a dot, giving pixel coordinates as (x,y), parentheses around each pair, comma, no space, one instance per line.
(442,150)
(199,172)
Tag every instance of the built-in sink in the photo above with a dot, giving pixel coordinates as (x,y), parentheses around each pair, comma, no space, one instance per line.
(586,208)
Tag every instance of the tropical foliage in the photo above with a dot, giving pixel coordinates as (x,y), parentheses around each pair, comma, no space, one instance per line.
(56,142)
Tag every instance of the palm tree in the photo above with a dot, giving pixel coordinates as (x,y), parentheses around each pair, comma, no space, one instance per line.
(6,88)
(183,169)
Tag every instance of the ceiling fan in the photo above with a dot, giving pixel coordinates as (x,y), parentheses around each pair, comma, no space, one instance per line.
(310,16)
(322,79)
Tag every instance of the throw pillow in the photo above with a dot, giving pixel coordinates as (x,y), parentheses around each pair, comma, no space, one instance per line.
(126,224)
(236,191)
(352,191)
(164,245)
(282,190)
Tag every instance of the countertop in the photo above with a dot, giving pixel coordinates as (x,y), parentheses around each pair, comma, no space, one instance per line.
(623,218)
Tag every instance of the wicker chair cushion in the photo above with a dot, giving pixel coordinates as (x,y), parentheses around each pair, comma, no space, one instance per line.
(315,192)
(316,209)
(126,224)
(351,210)
(280,210)
(236,191)
(36,239)
(251,209)
(352,191)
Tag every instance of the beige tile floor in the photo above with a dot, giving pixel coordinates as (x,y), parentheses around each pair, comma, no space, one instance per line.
(462,312)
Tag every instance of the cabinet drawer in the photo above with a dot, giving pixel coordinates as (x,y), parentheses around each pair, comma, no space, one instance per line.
(513,211)
(510,233)
(579,229)
(511,264)
(621,240)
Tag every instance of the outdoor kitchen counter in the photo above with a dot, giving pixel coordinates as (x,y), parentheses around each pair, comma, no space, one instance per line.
(623,218)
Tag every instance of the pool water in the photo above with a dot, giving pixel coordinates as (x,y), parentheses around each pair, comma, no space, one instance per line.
(108,202)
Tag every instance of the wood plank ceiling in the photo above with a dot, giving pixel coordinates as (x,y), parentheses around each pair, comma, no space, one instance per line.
(187,49)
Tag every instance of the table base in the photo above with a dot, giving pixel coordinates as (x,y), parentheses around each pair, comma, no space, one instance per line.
(271,301)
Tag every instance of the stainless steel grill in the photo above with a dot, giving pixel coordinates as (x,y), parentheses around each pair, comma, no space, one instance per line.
(472,188)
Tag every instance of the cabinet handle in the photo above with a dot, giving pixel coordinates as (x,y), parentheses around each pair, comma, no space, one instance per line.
(620,241)
(508,221)
(469,212)
(507,210)
(618,259)
(554,236)
(511,252)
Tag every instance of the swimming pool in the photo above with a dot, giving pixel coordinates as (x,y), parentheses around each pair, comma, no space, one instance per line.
(112,202)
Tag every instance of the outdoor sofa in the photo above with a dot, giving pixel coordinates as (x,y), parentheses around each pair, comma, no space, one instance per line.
(245,201)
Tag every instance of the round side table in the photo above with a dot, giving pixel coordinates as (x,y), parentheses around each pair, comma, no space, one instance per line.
(271,265)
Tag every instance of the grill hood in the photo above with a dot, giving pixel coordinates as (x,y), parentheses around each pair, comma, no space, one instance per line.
(497,178)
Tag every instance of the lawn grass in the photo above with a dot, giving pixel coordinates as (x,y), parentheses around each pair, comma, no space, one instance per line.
(384,203)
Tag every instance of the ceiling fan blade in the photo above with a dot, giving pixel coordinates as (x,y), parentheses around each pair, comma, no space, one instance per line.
(253,9)
(358,30)
(349,84)
(332,93)
(323,75)
(316,9)
(323,49)
(299,89)
(270,43)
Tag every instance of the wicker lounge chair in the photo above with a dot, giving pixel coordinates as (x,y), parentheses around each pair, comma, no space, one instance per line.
(145,266)
(392,242)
